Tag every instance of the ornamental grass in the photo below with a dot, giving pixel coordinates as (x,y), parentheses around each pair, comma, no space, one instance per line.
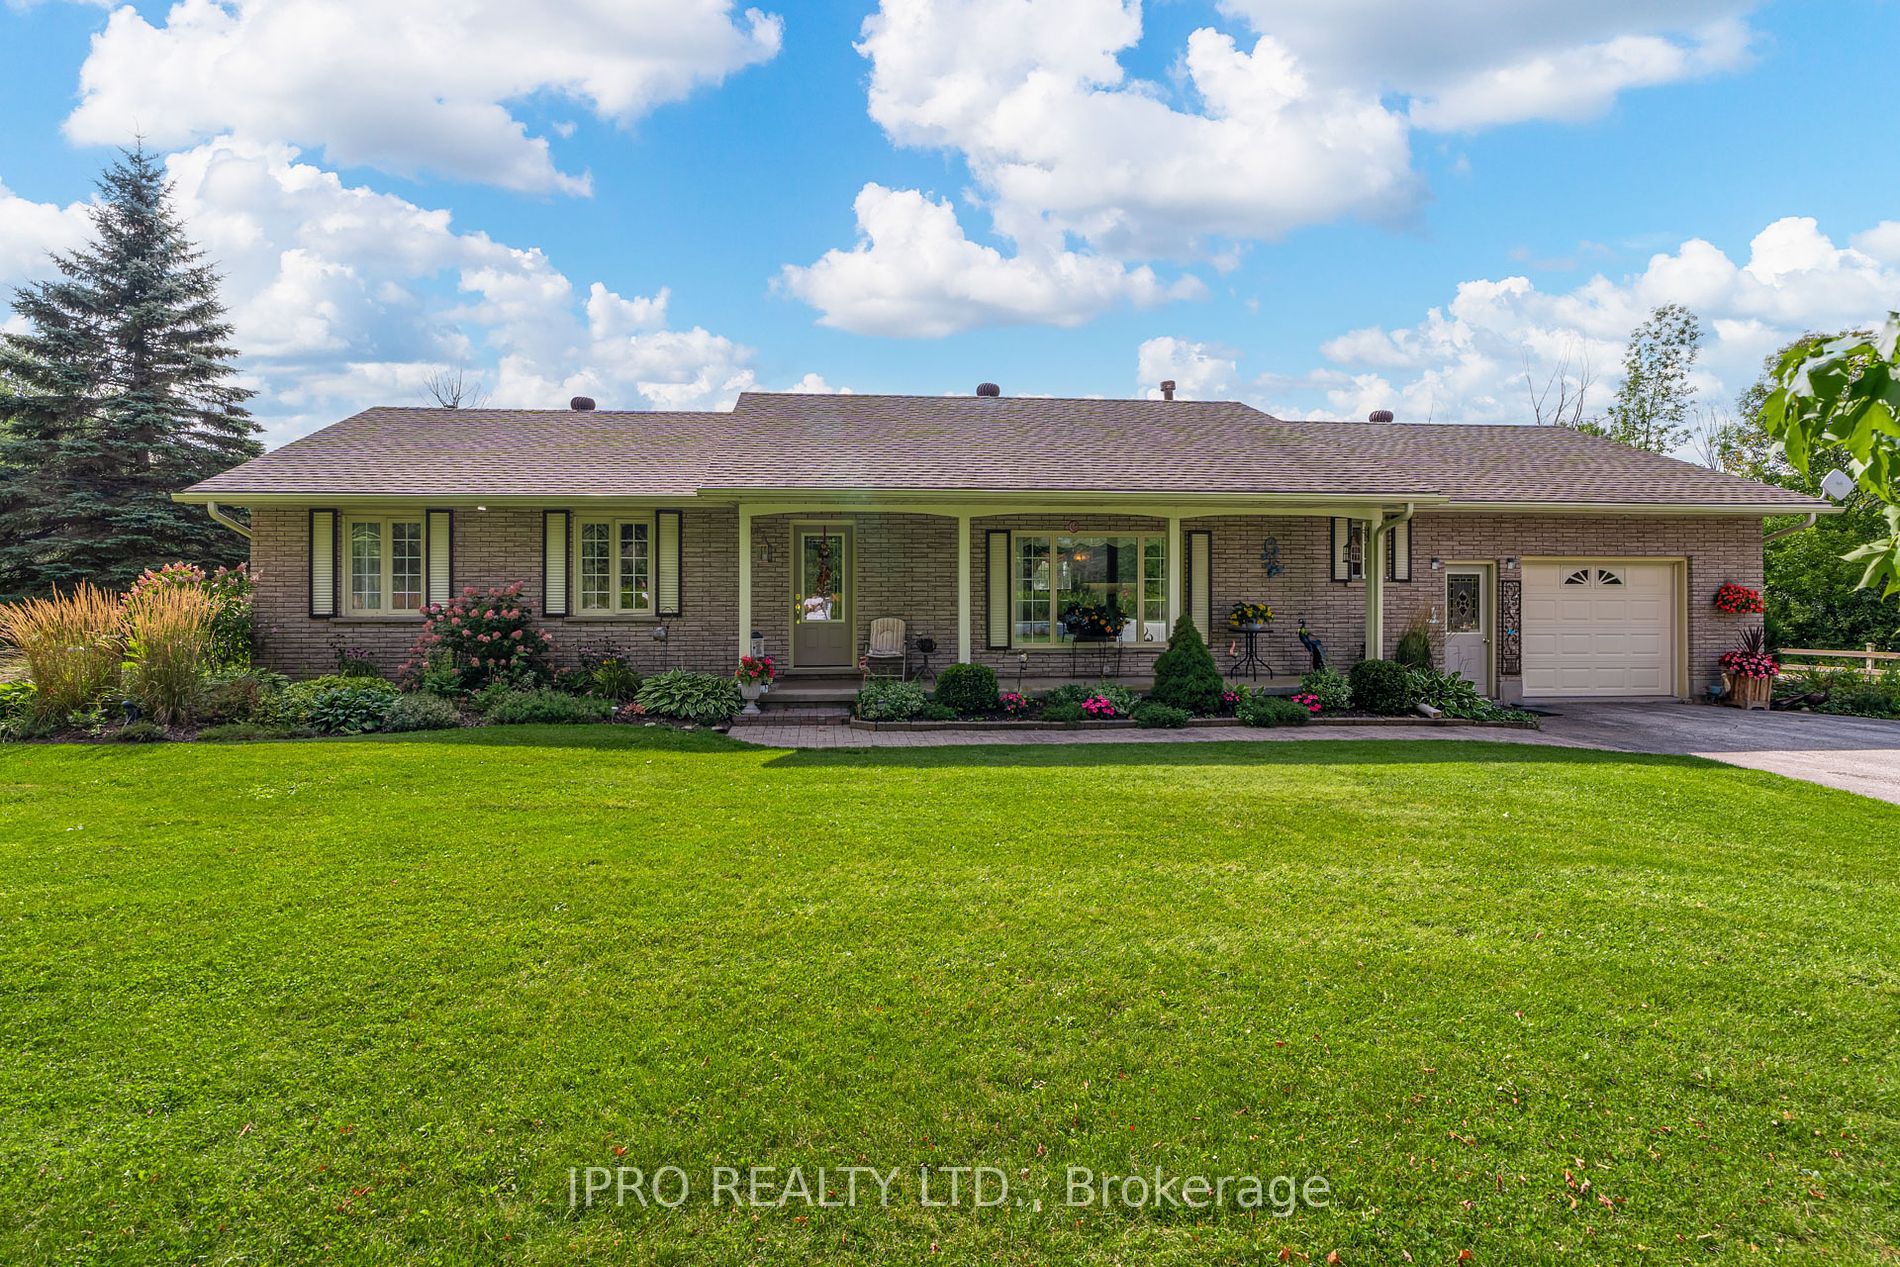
(69,645)
(167,649)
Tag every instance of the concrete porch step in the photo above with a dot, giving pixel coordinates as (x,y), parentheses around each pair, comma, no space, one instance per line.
(797,715)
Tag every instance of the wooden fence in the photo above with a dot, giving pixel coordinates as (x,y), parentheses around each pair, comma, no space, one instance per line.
(1872,662)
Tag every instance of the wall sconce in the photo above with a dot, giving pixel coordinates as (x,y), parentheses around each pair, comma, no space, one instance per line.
(1510,565)
(1437,563)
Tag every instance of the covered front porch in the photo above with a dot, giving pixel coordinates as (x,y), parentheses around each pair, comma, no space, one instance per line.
(1046,591)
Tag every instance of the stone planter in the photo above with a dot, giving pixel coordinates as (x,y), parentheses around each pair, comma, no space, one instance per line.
(751,692)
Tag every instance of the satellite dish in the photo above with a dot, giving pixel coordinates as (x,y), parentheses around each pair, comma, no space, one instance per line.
(1837,484)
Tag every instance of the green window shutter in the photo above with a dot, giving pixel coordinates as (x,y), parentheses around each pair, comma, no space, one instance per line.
(1200,581)
(555,526)
(439,544)
(323,568)
(666,572)
(997,549)
(1342,546)
(1398,552)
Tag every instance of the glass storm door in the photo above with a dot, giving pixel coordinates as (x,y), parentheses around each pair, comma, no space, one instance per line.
(1468,626)
(821,598)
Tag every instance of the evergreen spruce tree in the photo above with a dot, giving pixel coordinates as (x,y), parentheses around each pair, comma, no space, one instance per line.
(120,392)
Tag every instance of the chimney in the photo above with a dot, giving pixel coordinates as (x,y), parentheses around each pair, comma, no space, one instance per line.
(1167,389)
(1379,415)
(581,404)
(988,389)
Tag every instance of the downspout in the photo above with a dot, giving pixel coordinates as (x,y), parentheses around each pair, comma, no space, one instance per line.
(235,525)
(1789,532)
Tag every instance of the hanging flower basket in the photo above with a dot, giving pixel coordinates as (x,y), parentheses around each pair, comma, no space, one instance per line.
(1738,600)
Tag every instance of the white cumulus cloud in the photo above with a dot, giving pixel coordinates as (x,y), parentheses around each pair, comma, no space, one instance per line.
(914,273)
(406,86)
(1200,371)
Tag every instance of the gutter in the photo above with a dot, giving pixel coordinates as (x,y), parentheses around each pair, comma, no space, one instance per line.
(235,525)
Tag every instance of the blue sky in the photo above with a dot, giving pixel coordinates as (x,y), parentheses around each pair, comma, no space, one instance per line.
(1072,197)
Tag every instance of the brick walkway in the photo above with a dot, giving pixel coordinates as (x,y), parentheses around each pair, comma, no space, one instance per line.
(792,735)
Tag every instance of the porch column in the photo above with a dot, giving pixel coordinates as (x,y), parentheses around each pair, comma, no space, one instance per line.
(1375,588)
(963,589)
(745,579)
(1175,564)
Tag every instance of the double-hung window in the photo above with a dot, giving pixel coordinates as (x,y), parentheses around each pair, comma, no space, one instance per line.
(384,557)
(616,566)
(1055,577)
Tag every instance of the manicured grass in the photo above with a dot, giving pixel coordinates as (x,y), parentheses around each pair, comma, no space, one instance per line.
(370,1000)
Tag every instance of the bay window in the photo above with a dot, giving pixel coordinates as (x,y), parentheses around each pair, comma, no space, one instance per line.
(616,566)
(1056,577)
(385,565)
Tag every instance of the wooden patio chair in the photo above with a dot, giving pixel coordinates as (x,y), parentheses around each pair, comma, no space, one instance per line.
(889,648)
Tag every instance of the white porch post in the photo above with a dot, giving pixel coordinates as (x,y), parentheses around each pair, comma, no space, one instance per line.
(963,589)
(745,579)
(1375,588)
(1175,563)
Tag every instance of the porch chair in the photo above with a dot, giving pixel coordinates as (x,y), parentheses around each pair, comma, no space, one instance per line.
(889,647)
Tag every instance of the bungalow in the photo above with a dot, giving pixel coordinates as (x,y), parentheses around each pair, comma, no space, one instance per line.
(1543,563)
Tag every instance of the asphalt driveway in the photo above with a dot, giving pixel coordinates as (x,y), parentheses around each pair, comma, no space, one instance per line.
(1858,754)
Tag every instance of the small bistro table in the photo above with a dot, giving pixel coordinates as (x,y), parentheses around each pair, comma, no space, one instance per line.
(1250,660)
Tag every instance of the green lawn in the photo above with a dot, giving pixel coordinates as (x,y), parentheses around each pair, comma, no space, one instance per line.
(370,1000)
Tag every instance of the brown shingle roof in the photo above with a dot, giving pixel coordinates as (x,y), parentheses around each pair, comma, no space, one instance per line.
(956,443)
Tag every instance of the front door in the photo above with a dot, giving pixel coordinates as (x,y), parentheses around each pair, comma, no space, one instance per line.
(1468,625)
(821,597)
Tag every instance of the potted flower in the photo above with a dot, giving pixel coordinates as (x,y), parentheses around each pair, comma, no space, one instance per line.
(755,674)
(1749,671)
(1093,622)
(1249,617)
(1738,600)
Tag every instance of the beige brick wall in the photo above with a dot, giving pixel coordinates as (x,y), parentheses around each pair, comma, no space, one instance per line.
(496,548)
(906,566)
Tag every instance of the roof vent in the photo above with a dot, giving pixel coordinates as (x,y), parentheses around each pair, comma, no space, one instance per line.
(1379,415)
(988,389)
(1167,389)
(581,404)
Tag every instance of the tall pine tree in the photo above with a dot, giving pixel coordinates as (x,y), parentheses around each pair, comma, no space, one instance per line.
(121,391)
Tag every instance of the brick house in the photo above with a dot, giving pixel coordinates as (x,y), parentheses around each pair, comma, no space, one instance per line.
(1543,563)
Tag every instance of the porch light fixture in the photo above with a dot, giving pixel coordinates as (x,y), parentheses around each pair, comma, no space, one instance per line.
(1436,563)
(1510,565)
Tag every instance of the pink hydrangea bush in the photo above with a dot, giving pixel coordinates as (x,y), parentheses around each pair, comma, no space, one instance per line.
(478,639)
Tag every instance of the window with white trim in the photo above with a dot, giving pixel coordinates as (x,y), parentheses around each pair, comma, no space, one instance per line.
(616,566)
(383,560)
(1053,576)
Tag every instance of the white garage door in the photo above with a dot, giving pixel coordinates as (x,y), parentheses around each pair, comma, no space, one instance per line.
(1599,627)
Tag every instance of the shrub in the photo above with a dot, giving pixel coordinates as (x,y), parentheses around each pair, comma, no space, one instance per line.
(890,700)
(142,731)
(613,678)
(1185,676)
(1099,708)
(1067,693)
(968,688)
(1065,712)
(1415,645)
(934,711)
(421,712)
(1270,710)
(1120,696)
(486,638)
(167,645)
(538,708)
(1852,694)
(1330,688)
(1015,705)
(1152,716)
(237,695)
(245,731)
(16,700)
(1450,693)
(70,645)
(705,698)
(335,705)
(231,592)
(1380,686)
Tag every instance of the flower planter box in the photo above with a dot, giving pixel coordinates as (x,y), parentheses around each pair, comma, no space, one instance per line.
(1749,692)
